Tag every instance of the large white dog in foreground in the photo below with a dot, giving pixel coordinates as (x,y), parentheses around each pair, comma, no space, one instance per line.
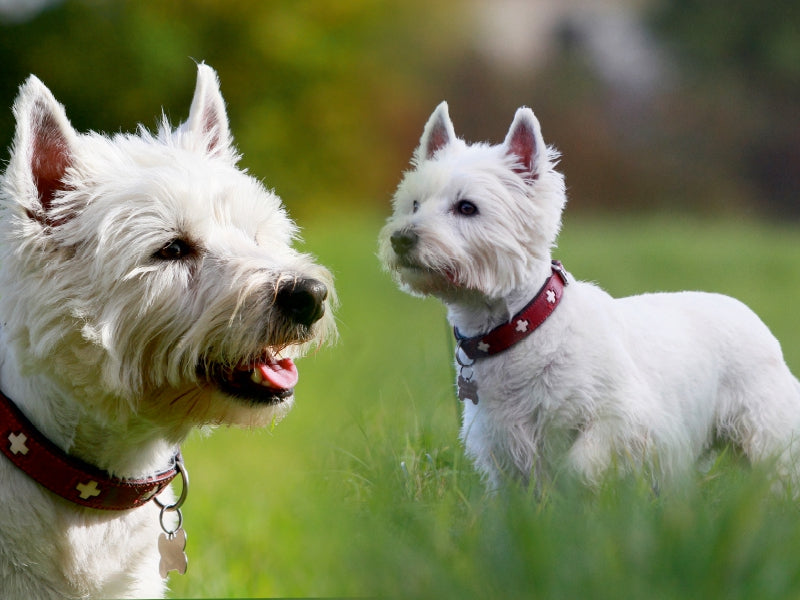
(557,372)
(147,286)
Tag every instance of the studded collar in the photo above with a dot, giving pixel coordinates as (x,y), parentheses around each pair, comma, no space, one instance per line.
(68,476)
(522,324)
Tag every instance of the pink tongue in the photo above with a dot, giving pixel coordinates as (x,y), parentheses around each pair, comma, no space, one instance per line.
(281,374)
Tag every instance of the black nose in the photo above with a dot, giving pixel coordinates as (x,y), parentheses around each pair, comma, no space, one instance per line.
(302,300)
(403,241)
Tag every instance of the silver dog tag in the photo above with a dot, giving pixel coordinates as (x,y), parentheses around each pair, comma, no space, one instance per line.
(173,558)
(467,389)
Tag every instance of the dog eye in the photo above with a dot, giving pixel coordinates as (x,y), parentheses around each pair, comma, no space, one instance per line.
(466,208)
(415,206)
(175,250)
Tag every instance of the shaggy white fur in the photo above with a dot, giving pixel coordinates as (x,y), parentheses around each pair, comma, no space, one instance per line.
(147,286)
(650,381)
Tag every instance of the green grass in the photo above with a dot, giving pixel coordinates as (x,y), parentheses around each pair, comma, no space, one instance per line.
(363,490)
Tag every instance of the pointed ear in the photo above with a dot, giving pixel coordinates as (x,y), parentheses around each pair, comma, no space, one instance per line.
(437,134)
(524,142)
(43,148)
(208,118)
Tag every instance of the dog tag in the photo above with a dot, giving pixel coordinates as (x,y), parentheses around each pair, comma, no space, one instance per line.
(173,558)
(467,389)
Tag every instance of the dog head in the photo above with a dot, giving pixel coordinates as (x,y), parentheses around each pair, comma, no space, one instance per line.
(147,272)
(474,219)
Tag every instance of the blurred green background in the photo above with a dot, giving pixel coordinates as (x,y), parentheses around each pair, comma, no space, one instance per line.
(680,131)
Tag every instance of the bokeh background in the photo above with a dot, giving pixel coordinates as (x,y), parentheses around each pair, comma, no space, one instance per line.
(655,104)
(679,124)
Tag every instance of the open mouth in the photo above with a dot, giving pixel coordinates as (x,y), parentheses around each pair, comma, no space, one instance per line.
(266,380)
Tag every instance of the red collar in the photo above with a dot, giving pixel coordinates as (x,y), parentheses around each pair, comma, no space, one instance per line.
(522,324)
(68,476)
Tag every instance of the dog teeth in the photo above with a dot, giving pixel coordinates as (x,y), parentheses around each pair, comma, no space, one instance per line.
(258,378)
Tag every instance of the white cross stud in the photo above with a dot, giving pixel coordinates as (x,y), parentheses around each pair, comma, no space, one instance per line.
(18,443)
(551,296)
(483,347)
(88,490)
(522,326)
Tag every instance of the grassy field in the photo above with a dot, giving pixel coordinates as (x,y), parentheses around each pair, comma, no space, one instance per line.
(363,490)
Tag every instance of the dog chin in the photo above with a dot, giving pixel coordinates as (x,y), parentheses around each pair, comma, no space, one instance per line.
(428,282)
(419,280)
(246,412)
(256,395)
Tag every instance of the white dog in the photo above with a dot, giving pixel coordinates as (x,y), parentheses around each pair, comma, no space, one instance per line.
(575,378)
(147,286)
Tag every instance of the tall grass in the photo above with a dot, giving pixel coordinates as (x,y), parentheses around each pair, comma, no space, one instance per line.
(363,490)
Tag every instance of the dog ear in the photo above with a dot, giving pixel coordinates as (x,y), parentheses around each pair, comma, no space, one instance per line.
(524,142)
(208,118)
(43,149)
(437,134)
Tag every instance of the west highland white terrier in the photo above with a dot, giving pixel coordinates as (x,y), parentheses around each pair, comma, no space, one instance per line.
(147,286)
(558,373)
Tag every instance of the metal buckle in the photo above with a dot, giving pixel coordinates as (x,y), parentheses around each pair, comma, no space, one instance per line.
(560,271)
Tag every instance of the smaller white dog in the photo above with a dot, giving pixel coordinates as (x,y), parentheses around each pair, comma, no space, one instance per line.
(559,373)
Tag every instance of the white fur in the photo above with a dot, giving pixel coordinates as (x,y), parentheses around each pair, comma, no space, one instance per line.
(100,342)
(650,381)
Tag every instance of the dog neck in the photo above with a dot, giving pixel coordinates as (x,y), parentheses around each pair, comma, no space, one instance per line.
(523,323)
(478,314)
(123,444)
(69,477)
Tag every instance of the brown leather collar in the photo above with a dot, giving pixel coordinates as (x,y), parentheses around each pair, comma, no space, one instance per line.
(68,476)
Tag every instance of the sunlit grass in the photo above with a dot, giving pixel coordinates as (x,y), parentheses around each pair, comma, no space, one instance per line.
(363,490)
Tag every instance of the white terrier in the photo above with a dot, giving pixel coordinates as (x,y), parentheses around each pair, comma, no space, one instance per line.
(558,372)
(147,286)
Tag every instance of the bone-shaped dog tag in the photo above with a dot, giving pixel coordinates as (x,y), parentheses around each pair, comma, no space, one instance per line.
(173,558)
(467,389)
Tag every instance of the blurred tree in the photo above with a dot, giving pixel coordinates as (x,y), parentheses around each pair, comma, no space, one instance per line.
(326,99)
(758,40)
(742,58)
